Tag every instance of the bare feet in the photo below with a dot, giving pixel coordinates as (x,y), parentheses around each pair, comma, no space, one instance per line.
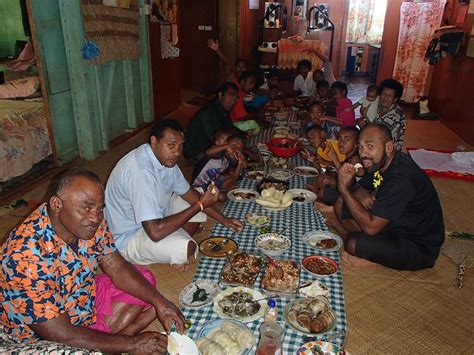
(335,226)
(355,261)
(180,267)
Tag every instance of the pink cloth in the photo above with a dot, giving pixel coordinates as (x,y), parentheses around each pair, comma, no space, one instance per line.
(107,293)
(348,118)
(25,59)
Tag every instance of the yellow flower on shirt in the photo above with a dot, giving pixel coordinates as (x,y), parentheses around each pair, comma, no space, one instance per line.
(378,179)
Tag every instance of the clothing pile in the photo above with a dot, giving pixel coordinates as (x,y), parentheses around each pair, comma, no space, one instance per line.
(446,41)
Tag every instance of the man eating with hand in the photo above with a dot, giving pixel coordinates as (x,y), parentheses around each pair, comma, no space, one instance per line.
(394,217)
(151,209)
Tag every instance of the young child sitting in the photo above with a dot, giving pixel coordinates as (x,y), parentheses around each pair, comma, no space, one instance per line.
(271,79)
(343,117)
(325,185)
(318,75)
(222,164)
(369,104)
(317,139)
(304,84)
(315,115)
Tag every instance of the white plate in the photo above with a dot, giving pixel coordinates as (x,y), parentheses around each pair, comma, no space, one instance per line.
(213,326)
(186,295)
(230,195)
(281,174)
(254,217)
(309,196)
(312,238)
(256,296)
(184,345)
(309,171)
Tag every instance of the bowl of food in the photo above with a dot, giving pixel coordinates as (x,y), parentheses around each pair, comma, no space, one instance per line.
(272,244)
(284,147)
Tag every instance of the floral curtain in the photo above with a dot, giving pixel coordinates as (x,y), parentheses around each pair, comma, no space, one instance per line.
(418,21)
(365,21)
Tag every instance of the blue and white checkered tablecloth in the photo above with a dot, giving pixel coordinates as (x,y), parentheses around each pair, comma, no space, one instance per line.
(299,218)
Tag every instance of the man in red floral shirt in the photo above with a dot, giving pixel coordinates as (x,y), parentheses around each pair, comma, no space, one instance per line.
(49,288)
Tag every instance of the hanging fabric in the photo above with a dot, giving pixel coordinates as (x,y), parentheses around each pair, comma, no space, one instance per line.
(365,21)
(418,22)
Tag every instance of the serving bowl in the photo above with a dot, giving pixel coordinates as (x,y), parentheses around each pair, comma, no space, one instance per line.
(284,147)
(272,244)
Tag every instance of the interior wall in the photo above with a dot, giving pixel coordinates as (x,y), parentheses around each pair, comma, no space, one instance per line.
(388,50)
(249,31)
(90,104)
(11,27)
(228,32)
(166,75)
(452,84)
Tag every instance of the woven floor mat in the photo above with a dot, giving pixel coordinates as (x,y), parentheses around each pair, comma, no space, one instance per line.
(388,315)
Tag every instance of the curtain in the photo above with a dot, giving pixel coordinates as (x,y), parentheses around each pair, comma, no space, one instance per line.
(418,21)
(365,21)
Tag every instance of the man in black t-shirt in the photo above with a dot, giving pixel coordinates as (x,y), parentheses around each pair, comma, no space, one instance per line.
(394,218)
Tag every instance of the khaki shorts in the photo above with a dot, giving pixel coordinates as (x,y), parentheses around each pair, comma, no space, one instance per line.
(173,249)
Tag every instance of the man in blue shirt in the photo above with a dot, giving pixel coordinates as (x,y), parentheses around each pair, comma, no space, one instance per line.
(141,197)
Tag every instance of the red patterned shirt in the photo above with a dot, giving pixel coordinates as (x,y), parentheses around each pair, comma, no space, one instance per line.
(41,277)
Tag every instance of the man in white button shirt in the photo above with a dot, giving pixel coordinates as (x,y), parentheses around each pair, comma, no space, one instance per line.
(150,207)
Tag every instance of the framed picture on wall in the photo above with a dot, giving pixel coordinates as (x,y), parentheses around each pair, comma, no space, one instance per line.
(300,7)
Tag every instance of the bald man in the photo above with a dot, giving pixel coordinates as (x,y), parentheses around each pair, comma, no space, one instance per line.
(48,284)
(394,218)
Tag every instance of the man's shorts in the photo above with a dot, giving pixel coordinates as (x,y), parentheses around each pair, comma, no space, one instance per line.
(395,252)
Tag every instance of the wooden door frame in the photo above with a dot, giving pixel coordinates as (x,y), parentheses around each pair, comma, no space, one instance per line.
(44,91)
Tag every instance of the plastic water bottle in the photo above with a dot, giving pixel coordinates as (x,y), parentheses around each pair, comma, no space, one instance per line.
(271,313)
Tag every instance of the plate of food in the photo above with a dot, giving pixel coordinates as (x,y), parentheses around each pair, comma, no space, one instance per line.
(271,182)
(319,265)
(306,171)
(255,175)
(302,196)
(217,247)
(321,240)
(279,163)
(273,283)
(256,219)
(314,289)
(240,303)
(281,174)
(310,315)
(242,195)
(199,293)
(225,337)
(319,347)
(275,200)
(243,271)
